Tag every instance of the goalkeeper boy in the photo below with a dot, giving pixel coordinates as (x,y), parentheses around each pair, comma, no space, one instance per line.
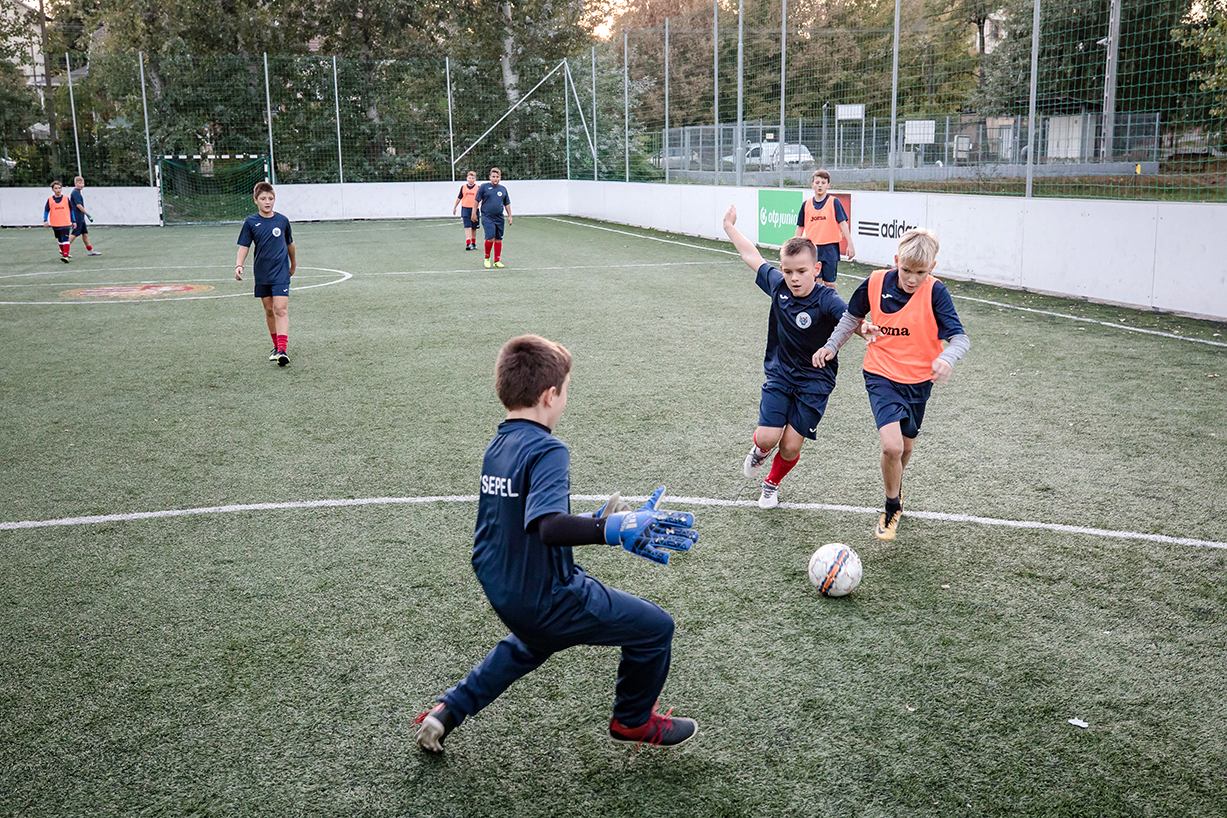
(522,558)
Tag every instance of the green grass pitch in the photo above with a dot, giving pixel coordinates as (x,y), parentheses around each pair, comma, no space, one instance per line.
(270,661)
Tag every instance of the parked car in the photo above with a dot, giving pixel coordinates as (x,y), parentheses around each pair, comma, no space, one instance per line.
(766,156)
(676,158)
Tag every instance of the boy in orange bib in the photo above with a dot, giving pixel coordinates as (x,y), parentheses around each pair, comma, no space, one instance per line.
(911,316)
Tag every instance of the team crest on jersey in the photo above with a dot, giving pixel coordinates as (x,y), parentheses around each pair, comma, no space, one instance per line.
(803,320)
(137,291)
(277,232)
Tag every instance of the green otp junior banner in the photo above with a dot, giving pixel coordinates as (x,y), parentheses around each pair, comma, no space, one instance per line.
(777,215)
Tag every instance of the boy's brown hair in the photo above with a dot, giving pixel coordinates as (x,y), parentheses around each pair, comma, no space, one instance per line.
(262,187)
(527,366)
(57,182)
(798,245)
(820,174)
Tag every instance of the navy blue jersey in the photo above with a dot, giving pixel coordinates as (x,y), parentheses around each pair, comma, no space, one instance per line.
(799,327)
(525,475)
(272,238)
(894,297)
(76,199)
(492,199)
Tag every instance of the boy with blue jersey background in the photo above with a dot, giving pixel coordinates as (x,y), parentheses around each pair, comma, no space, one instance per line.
(492,199)
(274,264)
(79,217)
(522,558)
(911,317)
(824,221)
(794,396)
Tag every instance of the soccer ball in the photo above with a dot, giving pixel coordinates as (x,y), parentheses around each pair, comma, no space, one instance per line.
(835,569)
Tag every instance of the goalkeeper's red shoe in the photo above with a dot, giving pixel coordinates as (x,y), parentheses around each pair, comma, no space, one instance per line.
(435,723)
(659,731)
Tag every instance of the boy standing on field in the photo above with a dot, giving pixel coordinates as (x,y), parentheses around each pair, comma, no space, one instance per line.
(79,217)
(794,396)
(466,201)
(522,558)
(824,221)
(57,214)
(493,198)
(910,314)
(274,263)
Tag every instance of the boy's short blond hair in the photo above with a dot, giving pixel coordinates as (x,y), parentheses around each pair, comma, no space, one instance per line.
(527,366)
(78,179)
(918,246)
(821,173)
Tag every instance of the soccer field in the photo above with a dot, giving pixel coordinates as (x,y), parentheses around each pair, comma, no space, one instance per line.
(229,587)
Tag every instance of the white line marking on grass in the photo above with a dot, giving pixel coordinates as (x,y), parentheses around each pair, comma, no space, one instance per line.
(599,498)
(222,280)
(471,270)
(963,297)
(344,276)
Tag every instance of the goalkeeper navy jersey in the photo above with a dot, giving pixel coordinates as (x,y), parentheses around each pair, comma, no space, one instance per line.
(525,475)
(798,328)
(272,239)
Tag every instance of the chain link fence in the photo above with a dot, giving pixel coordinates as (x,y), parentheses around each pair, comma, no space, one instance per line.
(1121,105)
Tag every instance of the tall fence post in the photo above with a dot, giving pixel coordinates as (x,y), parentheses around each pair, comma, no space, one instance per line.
(739,153)
(140,56)
(336,98)
(664,149)
(268,108)
(1035,65)
(451,134)
(566,81)
(715,76)
(626,103)
(1109,83)
(783,68)
(72,103)
(894,105)
(595,173)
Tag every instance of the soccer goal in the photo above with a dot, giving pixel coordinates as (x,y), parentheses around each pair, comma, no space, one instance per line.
(205,188)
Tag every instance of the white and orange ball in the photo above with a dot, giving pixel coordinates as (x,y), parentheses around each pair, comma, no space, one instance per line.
(835,569)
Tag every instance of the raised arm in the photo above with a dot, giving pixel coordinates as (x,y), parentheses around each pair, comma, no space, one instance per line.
(749,253)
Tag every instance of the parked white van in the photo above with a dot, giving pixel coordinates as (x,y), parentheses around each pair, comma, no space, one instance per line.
(766,156)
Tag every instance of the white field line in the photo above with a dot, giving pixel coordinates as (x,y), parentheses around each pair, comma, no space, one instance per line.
(533,269)
(599,498)
(1125,327)
(344,276)
(222,280)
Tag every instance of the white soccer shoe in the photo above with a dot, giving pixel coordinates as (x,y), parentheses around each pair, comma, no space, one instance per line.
(754,462)
(770,497)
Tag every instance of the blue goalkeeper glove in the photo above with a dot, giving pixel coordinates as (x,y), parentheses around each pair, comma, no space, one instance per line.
(648,530)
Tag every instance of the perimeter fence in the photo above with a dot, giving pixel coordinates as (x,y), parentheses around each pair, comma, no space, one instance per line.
(1111,102)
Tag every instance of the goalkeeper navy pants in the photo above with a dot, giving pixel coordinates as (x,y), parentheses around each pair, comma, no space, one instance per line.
(592,614)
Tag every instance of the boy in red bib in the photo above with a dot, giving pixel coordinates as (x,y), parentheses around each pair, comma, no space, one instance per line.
(911,317)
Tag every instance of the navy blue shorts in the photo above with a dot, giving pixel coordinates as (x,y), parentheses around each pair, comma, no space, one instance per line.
(828,254)
(276,288)
(799,407)
(466,218)
(494,227)
(902,402)
(79,228)
(61,234)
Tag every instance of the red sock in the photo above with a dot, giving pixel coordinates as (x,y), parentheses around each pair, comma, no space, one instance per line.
(489,244)
(279,341)
(89,246)
(498,249)
(780,468)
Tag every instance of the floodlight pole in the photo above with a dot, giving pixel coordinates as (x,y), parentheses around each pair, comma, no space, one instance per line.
(783,68)
(665,147)
(1109,83)
(715,76)
(336,98)
(140,56)
(739,156)
(451,138)
(626,103)
(595,139)
(894,107)
(566,100)
(1035,65)
(268,107)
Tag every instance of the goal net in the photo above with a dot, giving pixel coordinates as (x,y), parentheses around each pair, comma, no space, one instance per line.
(197,189)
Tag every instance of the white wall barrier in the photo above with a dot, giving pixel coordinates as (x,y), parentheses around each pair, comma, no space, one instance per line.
(1143,254)
(23,206)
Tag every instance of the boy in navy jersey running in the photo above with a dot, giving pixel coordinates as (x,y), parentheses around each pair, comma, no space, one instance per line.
(492,199)
(794,396)
(274,264)
(522,558)
(910,315)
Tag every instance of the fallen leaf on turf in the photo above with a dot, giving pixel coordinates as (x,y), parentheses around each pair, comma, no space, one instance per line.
(1078,723)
